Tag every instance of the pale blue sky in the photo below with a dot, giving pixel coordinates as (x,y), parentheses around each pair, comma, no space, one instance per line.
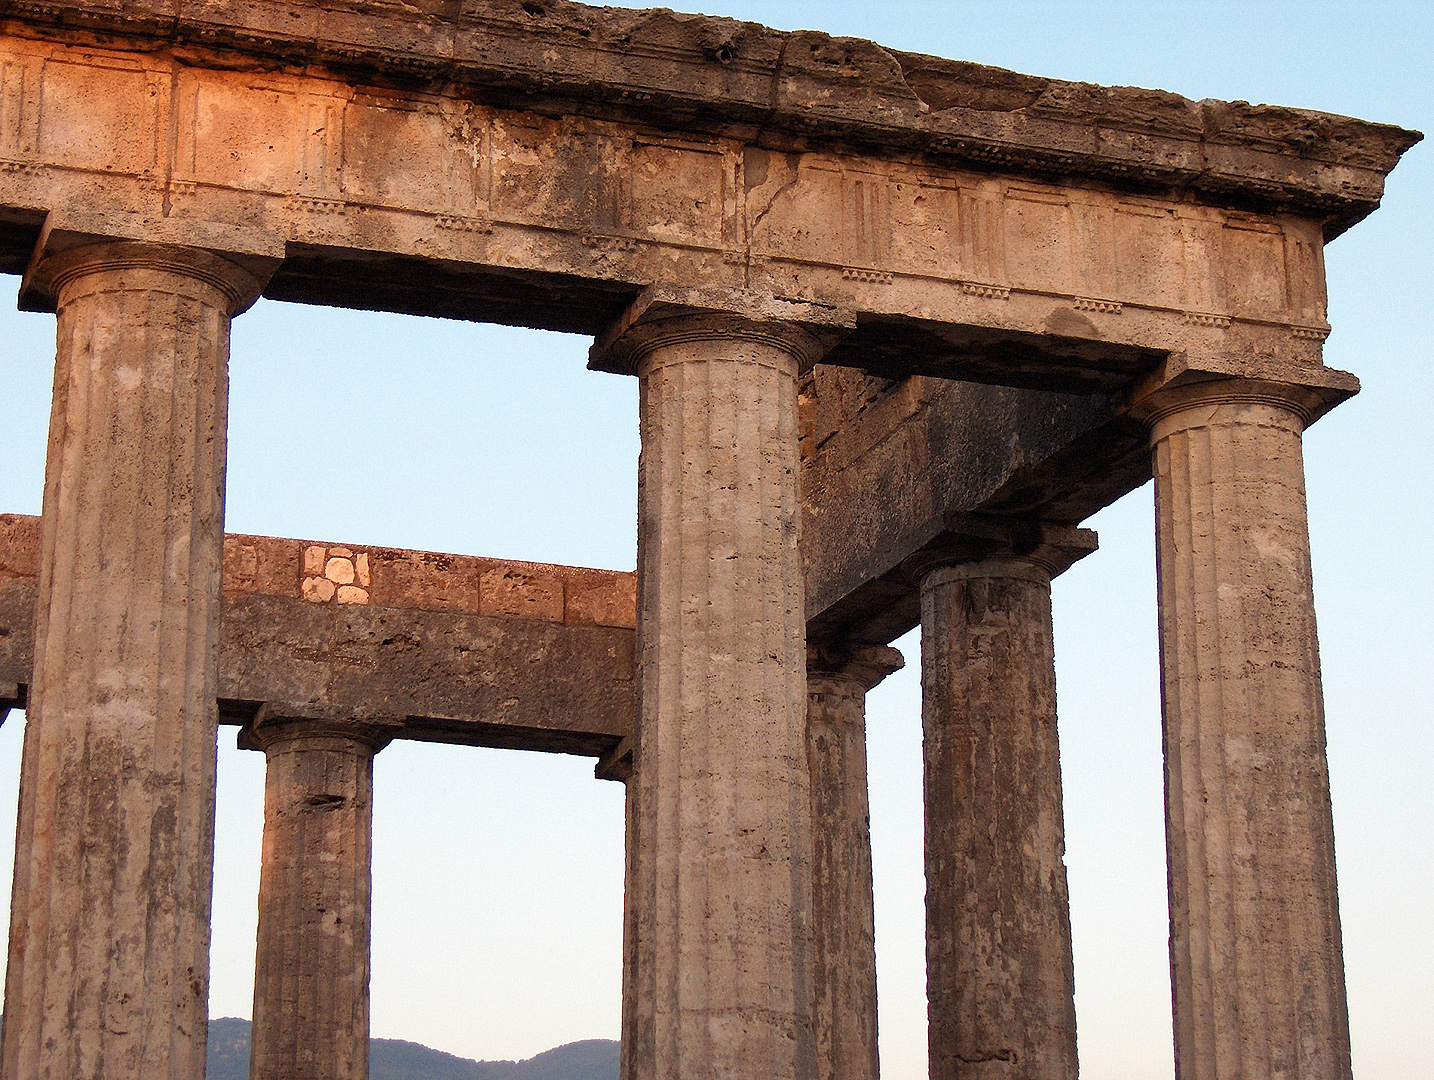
(498,875)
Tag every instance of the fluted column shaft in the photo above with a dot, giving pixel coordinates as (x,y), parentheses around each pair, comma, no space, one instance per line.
(723,868)
(999,969)
(843,913)
(1255,950)
(311,971)
(109,934)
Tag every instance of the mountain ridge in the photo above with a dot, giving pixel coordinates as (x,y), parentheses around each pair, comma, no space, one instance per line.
(396,1059)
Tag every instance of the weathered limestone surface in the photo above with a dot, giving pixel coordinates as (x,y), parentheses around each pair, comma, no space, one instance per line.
(109,942)
(723,876)
(1255,951)
(1000,978)
(1089,253)
(843,915)
(311,978)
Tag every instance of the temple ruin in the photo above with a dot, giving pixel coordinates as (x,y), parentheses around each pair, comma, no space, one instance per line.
(900,323)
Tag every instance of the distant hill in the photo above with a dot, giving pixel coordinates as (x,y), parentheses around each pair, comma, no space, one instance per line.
(393,1059)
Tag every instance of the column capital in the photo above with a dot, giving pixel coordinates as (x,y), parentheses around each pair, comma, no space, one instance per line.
(1039,550)
(283,722)
(236,262)
(866,666)
(1183,382)
(668,315)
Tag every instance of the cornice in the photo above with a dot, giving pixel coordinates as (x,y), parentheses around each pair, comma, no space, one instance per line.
(783,90)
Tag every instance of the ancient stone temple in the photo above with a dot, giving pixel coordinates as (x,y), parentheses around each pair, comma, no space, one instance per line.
(900,324)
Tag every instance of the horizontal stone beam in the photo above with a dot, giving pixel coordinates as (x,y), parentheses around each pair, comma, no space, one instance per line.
(540,657)
(894,469)
(474,651)
(966,223)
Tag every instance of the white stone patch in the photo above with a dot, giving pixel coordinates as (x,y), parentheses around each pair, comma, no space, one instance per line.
(335,573)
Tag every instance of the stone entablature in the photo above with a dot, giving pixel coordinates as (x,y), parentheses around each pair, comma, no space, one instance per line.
(972,270)
(800,90)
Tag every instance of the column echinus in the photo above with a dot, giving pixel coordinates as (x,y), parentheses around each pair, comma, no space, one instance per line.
(311,970)
(1255,954)
(1000,976)
(109,933)
(723,868)
(843,915)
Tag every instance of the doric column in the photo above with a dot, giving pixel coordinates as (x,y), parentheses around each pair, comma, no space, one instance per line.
(1255,951)
(1000,982)
(311,970)
(843,916)
(722,815)
(109,928)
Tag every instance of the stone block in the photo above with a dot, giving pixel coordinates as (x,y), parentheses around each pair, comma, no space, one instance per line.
(508,590)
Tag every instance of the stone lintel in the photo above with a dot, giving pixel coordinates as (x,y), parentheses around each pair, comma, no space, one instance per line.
(289,632)
(988,548)
(896,468)
(239,261)
(446,642)
(782,90)
(804,328)
(288,721)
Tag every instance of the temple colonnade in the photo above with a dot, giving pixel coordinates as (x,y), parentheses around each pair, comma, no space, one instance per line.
(899,325)
(751,944)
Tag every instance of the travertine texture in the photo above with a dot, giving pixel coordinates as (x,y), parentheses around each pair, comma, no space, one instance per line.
(1255,951)
(723,875)
(311,973)
(1000,982)
(894,470)
(843,916)
(109,939)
